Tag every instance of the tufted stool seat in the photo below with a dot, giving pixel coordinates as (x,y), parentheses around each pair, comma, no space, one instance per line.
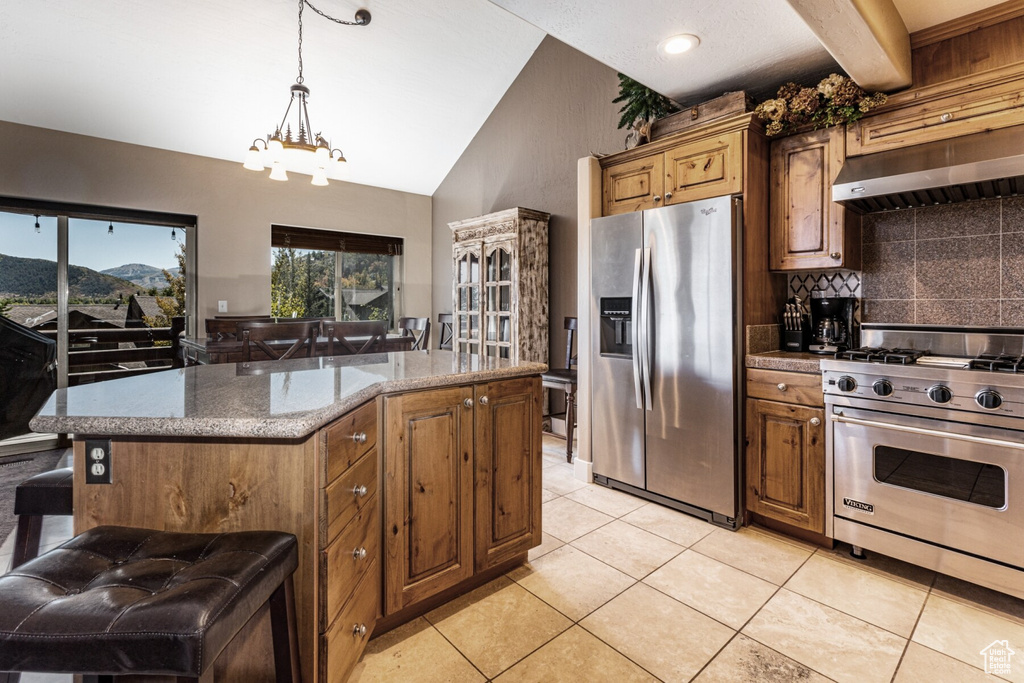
(120,600)
(47,493)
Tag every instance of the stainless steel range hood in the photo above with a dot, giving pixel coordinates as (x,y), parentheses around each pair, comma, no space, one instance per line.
(980,166)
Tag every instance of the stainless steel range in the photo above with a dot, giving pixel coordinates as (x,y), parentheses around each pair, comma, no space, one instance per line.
(926,449)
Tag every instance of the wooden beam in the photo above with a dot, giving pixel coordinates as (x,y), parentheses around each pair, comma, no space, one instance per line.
(867,37)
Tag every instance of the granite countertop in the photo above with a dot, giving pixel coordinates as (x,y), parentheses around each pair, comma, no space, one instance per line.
(785,360)
(263,400)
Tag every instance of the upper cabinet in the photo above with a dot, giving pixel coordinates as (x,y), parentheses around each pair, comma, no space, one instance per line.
(697,169)
(808,229)
(500,285)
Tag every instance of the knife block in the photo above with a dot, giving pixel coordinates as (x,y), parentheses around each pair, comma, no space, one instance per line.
(796,340)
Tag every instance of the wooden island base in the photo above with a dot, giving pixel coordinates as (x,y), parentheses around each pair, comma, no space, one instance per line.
(391,522)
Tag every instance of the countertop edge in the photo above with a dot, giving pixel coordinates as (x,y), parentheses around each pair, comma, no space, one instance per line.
(293,427)
(785,361)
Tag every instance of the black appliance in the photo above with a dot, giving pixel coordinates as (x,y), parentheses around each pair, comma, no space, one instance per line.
(28,375)
(833,325)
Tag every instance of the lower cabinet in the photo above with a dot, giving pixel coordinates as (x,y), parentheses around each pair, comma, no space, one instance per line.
(785,452)
(462,484)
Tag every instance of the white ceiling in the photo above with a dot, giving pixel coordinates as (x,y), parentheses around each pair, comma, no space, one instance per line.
(402,97)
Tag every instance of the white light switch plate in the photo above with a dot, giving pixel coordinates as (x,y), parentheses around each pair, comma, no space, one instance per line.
(222,306)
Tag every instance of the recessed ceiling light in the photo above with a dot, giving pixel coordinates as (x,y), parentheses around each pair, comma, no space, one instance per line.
(679,44)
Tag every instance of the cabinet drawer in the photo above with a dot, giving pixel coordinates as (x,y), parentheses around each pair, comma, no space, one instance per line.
(787,387)
(634,185)
(974,111)
(345,498)
(342,646)
(343,563)
(345,439)
(706,168)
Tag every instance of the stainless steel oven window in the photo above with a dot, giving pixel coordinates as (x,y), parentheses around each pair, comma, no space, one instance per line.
(961,480)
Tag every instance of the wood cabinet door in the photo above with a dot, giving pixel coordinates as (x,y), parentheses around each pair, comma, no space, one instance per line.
(634,185)
(808,229)
(786,463)
(508,470)
(428,507)
(706,168)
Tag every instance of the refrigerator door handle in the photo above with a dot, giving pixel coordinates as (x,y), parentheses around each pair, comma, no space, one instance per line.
(635,336)
(645,329)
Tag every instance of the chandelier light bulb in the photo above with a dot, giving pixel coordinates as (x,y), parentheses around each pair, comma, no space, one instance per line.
(253,159)
(323,155)
(277,171)
(320,176)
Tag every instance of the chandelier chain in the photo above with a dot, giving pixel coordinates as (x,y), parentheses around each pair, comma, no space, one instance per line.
(336,21)
(299,79)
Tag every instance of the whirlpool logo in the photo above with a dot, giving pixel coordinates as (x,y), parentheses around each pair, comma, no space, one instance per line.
(858,505)
(708,212)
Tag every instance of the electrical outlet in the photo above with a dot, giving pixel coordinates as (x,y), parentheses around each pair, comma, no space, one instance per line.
(97,461)
(222,306)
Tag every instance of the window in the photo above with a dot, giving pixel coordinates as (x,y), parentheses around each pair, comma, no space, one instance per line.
(319,273)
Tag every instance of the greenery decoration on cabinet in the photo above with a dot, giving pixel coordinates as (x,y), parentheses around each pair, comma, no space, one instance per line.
(642,106)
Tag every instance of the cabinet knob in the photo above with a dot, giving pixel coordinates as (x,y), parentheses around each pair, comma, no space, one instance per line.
(359,437)
(468,403)
(359,491)
(782,386)
(946,117)
(815,422)
(359,630)
(668,196)
(484,401)
(359,554)
(836,255)
(657,197)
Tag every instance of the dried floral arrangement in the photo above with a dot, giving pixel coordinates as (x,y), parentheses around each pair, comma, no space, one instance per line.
(835,100)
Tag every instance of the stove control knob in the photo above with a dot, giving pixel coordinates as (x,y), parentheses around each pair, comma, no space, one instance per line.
(940,394)
(882,387)
(847,383)
(988,399)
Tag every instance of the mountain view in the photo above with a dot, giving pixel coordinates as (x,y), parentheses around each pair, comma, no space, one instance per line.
(141,274)
(32,280)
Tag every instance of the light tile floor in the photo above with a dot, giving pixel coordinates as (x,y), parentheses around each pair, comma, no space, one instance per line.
(625,590)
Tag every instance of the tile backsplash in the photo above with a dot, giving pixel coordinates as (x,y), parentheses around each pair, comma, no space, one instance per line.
(955,264)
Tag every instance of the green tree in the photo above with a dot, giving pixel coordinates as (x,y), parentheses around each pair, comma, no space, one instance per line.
(5,306)
(172,304)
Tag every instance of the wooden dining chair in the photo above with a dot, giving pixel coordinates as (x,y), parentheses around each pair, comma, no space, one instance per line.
(302,335)
(418,329)
(353,337)
(224,328)
(565,379)
(447,323)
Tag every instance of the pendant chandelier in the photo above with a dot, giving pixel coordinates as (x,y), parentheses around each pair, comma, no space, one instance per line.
(299,140)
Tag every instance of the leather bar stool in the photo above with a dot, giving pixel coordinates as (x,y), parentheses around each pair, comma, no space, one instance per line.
(121,600)
(47,493)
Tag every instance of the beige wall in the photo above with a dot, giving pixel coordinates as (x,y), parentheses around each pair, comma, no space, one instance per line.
(235,207)
(558,110)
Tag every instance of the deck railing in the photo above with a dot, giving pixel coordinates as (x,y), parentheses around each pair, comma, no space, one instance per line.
(96,355)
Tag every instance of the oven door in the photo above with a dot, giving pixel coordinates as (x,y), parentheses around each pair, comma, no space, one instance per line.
(946,483)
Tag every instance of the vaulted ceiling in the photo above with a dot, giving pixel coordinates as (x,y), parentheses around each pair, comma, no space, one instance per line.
(402,97)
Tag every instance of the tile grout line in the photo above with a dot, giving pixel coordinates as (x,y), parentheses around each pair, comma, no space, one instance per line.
(917,621)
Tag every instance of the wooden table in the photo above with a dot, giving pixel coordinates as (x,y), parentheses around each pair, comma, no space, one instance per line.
(208,351)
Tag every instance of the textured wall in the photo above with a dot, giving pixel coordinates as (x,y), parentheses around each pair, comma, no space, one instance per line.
(234,207)
(558,110)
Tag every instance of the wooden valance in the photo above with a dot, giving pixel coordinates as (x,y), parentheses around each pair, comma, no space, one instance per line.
(329,240)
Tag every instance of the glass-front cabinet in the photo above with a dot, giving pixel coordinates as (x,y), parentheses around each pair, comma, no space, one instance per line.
(500,287)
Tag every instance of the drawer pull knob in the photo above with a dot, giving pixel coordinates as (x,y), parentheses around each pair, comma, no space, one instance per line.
(484,400)
(359,630)
(657,197)
(360,553)
(945,118)
(782,386)
(468,403)
(359,491)
(359,437)
(668,196)
(815,422)
(835,255)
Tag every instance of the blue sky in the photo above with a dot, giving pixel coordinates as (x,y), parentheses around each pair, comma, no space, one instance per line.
(89,244)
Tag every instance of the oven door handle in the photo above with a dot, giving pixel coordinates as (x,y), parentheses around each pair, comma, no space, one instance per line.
(927,432)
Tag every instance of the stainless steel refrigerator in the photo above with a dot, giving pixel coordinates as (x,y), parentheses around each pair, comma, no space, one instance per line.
(665,310)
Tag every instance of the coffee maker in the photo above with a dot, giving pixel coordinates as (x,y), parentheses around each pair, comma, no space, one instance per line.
(833,325)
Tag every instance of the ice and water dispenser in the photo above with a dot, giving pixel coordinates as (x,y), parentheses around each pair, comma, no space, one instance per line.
(617,326)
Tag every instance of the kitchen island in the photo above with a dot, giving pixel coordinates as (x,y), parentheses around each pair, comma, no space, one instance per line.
(408,478)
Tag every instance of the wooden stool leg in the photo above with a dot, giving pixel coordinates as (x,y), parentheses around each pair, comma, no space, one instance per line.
(26,542)
(570,419)
(282,626)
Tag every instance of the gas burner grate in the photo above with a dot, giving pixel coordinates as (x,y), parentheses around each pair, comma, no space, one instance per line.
(870,354)
(998,363)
